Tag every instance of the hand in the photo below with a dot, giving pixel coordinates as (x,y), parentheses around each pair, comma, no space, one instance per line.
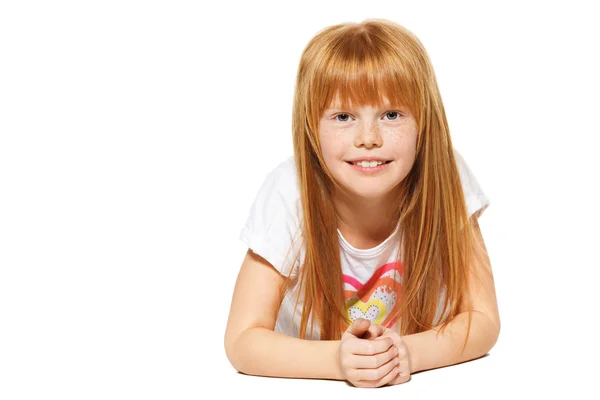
(378,332)
(367,362)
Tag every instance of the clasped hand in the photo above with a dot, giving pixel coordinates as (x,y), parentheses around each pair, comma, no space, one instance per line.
(373,356)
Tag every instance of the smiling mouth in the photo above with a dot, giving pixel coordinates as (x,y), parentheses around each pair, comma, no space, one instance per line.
(386,162)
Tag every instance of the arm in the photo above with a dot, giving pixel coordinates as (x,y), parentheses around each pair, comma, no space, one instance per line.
(251,344)
(428,352)
(259,351)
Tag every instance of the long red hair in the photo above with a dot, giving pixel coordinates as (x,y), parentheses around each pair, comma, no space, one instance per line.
(360,63)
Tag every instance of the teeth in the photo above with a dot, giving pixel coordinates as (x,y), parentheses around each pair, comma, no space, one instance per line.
(367,164)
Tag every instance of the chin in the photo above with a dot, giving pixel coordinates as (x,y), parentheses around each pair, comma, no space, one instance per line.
(371,192)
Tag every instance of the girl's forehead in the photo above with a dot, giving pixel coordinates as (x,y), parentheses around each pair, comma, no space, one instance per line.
(336,102)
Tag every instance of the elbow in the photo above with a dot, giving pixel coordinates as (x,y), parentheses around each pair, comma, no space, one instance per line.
(496,333)
(229,343)
(495,322)
(232,353)
(491,342)
(493,332)
(232,356)
(489,329)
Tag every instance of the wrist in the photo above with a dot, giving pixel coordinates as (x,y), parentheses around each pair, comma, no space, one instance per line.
(328,351)
(337,373)
(412,353)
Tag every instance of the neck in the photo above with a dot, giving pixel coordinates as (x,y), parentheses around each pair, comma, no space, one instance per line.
(368,221)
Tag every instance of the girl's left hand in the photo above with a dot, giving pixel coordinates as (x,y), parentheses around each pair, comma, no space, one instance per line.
(377,332)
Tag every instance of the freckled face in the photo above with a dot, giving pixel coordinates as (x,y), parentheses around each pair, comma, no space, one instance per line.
(382,132)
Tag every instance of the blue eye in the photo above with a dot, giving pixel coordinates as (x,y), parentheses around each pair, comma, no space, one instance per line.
(338,116)
(394,112)
(398,115)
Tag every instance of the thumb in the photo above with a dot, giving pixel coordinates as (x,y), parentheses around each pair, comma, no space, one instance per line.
(358,327)
(375,331)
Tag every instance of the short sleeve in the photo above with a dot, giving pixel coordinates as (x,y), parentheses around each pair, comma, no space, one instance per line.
(475,199)
(271,228)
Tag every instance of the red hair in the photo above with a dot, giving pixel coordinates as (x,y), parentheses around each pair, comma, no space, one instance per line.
(360,63)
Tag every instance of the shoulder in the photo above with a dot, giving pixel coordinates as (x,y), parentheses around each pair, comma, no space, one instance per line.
(461,164)
(283,180)
(475,198)
(273,220)
(277,202)
(284,175)
(466,174)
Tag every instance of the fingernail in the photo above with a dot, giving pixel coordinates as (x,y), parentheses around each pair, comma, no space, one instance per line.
(396,350)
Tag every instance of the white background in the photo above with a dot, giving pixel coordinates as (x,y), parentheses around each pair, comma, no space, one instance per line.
(135,135)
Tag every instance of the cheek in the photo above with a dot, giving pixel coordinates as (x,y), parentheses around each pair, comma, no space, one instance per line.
(404,142)
(405,135)
(333,145)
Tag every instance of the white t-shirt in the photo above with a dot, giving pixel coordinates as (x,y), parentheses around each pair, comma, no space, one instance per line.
(271,229)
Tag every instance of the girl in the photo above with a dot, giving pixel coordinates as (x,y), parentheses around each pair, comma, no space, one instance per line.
(365,259)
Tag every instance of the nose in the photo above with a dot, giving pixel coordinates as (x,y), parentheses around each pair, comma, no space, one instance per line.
(368,135)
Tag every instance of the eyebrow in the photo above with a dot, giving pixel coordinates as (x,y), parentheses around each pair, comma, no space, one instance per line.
(338,107)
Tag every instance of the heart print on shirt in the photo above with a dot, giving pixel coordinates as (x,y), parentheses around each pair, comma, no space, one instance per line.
(375,300)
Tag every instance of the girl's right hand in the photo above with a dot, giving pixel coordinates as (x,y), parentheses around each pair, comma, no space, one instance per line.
(365,362)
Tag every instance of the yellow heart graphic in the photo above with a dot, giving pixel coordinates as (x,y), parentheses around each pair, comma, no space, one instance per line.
(364,308)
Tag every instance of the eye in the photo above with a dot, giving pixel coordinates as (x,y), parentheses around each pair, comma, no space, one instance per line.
(339,115)
(395,115)
(394,112)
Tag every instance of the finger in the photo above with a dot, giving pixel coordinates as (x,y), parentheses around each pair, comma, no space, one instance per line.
(404,365)
(374,331)
(358,327)
(369,347)
(379,329)
(377,374)
(369,333)
(390,377)
(402,351)
(393,374)
(374,360)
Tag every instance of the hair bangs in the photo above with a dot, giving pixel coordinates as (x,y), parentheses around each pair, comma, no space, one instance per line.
(367,69)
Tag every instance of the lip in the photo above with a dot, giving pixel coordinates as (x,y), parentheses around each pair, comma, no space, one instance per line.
(369,170)
(367,159)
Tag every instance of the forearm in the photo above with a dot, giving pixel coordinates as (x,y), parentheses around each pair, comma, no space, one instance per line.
(259,351)
(427,351)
